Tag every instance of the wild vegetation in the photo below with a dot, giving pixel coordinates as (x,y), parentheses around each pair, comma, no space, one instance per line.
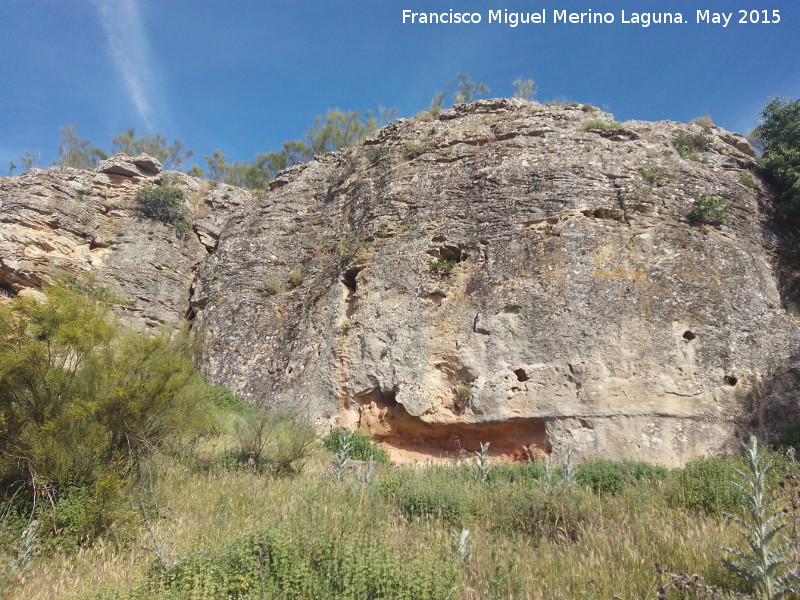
(779,138)
(127,477)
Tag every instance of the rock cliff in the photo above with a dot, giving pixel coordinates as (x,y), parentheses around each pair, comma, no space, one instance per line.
(505,272)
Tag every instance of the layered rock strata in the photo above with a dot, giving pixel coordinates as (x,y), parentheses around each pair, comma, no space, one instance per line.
(503,272)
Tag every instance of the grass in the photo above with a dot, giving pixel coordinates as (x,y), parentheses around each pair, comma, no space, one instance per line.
(691,145)
(400,535)
(598,124)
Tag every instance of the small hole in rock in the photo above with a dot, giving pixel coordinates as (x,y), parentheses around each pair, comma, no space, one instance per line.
(689,335)
(730,380)
(521,374)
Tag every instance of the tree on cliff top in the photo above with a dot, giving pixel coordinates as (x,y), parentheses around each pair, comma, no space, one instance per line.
(779,133)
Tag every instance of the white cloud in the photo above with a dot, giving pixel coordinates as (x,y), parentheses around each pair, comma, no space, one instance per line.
(130,52)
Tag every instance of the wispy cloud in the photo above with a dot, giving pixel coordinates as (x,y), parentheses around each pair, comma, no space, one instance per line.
(130,51)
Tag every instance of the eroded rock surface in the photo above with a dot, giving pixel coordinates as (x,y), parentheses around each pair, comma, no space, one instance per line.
(64,222)
(505,273)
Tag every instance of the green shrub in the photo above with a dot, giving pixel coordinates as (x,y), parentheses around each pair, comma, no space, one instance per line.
(294,279)
(376,153)
(432,496)
(779,134)
(442,266)
(273,442)
(598,124)
(164,204)
(748,180)
(654,175)
(609,476)
(530,471)
(305,565)
(708,484)
(711,210)
(361,447)
(690,145)
(227,401)
(412,150)
(82,401)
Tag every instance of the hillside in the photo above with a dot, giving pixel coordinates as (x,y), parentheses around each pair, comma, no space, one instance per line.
(532,276)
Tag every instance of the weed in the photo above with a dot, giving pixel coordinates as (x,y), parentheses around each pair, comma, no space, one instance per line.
(374,155)
(747,180)
(294,279)
(706,122)
(360,447)
(27,550)
(442,266)
(341,459)
(463,393)
(484,466)
(412,150)
(761,569)
(342,248)
(271,286)
(654,175)
(690,145)
(598,124)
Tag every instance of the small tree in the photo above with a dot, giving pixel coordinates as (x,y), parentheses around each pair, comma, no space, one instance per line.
(524,88)
(77,153)
(171,156)
(779,135)
(460,89)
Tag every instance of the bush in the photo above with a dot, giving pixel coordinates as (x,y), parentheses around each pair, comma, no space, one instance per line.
(598,124)
(708,484)
(604,213)
(431,496)
(530,471)
(82,401)
(412,150)
(711,210)
(273,442)
(442,266)
(689,145)
(654,175)
(748,180)
(300,565)
(779,134)
(164,204)
(361,447)
(609,476)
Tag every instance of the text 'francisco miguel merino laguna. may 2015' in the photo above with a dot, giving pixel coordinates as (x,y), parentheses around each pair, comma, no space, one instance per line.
(590,17)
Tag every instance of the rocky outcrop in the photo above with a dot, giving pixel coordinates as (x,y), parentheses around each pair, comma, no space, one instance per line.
(504,272)
(511,273)
(63,221)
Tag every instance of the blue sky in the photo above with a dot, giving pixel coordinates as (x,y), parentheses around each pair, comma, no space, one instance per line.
(244,76)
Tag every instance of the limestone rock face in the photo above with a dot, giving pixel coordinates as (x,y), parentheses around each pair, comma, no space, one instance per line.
(516,274)
(506,272)
(62,221)
(130,166)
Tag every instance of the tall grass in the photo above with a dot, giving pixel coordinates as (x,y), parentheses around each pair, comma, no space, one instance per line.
(399,537)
